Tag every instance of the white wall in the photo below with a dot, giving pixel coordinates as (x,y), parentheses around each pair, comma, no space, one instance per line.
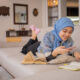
(62,8)
(40,21)
(6,22)
(44,13)
(79,12)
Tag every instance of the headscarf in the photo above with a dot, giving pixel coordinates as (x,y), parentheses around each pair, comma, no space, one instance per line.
(60,25)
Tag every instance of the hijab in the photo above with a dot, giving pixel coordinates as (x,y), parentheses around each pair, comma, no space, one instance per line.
(60,25)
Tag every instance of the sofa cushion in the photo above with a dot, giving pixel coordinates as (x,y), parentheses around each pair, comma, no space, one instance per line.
(11,60)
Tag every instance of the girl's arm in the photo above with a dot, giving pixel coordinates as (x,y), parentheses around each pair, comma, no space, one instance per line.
(46,43)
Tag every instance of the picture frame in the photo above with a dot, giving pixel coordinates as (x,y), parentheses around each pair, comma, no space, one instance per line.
(20,12)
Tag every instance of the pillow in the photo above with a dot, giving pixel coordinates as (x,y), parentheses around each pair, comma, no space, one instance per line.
(62,59)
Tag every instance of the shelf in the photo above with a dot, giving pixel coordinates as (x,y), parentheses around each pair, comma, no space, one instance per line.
(18,33)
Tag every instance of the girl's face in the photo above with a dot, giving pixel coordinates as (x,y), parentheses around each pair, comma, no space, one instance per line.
(65,33)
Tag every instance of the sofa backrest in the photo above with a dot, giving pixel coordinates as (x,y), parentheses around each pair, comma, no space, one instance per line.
(76,37)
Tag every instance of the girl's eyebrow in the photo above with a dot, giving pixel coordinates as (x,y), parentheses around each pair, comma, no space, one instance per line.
(64,29)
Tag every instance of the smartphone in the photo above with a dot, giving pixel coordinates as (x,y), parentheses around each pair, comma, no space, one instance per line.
(70,48)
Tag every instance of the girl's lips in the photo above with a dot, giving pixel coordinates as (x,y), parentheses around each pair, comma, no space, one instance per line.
(65,37)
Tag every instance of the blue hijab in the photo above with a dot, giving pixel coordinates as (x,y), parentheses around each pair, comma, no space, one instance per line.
(59,25)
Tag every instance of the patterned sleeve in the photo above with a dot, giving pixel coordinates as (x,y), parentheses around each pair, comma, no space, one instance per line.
(46,44)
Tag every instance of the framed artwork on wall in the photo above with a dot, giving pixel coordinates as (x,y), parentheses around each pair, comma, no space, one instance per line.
(35,12)
(20,13)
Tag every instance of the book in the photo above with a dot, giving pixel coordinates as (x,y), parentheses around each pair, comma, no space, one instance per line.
(29,58)
(74,66)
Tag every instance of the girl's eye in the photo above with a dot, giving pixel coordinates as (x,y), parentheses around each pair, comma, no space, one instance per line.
(70,32)
(64,31)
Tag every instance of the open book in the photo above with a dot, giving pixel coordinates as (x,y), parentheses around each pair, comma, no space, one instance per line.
(74,66)
(29,58)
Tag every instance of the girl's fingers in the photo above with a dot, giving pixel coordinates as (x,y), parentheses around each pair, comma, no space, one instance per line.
(62,47)
(77,56)
(66,50)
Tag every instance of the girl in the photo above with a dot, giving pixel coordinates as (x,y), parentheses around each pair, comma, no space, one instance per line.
(55,42)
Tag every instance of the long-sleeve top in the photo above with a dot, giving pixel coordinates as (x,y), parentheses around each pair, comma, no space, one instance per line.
(47,44)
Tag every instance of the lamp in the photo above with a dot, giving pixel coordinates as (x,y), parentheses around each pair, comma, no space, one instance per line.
(52,3)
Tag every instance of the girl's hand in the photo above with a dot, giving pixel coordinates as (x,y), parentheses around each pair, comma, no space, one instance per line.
(77,55)
(60,50)
(71,48)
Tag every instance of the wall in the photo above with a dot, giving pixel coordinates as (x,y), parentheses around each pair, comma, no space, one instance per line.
(44,14)
(79,12)
(41,21)
(6,22)
(62,8)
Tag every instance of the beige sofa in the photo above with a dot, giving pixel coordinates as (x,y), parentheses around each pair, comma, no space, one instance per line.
(10,59)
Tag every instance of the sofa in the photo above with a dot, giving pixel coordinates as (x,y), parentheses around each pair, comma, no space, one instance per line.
(11,58)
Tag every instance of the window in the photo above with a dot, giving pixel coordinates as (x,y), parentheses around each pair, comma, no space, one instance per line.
(73,10)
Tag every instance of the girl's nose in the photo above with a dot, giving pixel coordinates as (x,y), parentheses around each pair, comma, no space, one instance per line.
(68,35)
